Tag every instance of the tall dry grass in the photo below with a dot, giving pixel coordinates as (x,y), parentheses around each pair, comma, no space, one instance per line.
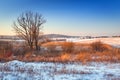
(68,47)
(96,51)
(5,49)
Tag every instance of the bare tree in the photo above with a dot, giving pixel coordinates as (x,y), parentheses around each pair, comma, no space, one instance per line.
(29,27)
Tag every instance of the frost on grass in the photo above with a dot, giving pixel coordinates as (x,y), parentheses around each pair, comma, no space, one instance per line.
(17,70)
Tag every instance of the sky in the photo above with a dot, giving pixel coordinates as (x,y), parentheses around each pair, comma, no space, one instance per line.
(69,17)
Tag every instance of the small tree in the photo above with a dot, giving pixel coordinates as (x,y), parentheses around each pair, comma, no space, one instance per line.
(29,27)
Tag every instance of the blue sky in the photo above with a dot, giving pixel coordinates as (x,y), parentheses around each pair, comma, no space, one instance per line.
(71,17)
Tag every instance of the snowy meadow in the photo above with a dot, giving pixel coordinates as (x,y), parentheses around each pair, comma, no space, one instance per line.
(17,70)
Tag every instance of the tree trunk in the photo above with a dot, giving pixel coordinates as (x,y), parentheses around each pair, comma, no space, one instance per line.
(30,44)
(36,45)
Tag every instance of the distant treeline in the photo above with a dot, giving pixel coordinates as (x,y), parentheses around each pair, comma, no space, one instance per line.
(56,36)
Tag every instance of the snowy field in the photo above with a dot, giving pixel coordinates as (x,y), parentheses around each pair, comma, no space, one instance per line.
(112,41)
(17,70)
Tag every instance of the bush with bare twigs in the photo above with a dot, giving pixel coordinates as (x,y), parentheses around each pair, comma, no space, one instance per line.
(5,49)
(98,46)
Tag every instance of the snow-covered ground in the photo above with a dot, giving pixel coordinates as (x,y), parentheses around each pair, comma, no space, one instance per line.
(17,70)
(112,41)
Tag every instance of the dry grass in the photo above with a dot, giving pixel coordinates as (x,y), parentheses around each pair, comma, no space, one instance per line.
(55,43)
(68,47)
(65,57)
(96,51)
(5,49)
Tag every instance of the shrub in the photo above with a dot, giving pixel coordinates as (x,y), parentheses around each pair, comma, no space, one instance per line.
(20,51)
(5,49)
(5,45)
(98,46)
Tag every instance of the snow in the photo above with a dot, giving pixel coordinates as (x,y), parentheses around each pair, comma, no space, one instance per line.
(111,41)
(58,48)
(17,70)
